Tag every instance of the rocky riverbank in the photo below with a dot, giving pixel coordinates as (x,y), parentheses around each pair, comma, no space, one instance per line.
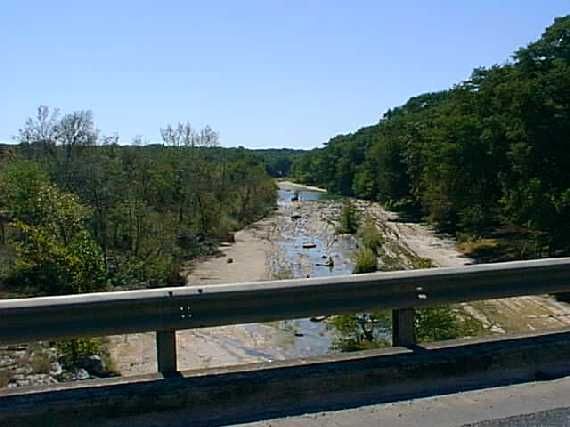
(40,364)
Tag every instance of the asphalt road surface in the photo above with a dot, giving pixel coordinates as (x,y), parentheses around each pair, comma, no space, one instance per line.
(545,403)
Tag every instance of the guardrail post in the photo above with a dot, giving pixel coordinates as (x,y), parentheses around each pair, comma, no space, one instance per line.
(166,351)
(404,327)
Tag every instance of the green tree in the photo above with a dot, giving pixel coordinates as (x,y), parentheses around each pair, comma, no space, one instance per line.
(56,254)
(489,152)
(20,184)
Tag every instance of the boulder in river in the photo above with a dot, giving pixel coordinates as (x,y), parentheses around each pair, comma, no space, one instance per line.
(309,245)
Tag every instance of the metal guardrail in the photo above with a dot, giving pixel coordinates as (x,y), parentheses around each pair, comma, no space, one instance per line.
(169,309)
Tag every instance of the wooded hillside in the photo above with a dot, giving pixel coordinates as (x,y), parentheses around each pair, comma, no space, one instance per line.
(492,151)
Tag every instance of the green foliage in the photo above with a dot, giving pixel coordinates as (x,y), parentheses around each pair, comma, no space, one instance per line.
(490,151)
(349,219)
(138,212)
(370,236)
(57,254)
(72,350)
(437,323)
(278,161)
(20,184)
(365,261)
(371,330)
(361,331)
(552,49)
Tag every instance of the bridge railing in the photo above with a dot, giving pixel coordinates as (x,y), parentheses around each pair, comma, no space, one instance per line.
(167,310)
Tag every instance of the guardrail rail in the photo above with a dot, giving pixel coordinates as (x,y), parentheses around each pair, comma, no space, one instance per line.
(167,310)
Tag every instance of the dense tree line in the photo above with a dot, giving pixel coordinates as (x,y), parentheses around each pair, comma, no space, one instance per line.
(78,212)
(492,150)
(278,161)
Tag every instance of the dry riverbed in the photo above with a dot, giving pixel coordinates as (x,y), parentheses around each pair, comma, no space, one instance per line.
(228,345)
(497,316)
(269,249)
(273,248)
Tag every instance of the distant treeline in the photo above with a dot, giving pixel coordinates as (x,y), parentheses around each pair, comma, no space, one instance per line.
(493,150)
(278,161)
(78,212)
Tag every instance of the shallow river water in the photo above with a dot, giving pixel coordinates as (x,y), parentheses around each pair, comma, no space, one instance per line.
(305,221)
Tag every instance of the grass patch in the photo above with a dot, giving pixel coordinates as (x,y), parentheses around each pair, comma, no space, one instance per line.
(365,261)
(349,219)
(370,236)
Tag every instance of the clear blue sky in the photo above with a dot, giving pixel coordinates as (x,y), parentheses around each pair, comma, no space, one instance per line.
(266,73)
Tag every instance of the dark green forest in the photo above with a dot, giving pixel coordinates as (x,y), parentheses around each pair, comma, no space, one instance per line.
(81,213)
(491,153)
(278,161)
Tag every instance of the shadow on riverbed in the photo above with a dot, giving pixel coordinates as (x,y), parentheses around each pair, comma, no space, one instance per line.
(407,212)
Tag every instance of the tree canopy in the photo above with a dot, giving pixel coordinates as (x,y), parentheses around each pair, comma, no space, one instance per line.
(493,149)
(80,212)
